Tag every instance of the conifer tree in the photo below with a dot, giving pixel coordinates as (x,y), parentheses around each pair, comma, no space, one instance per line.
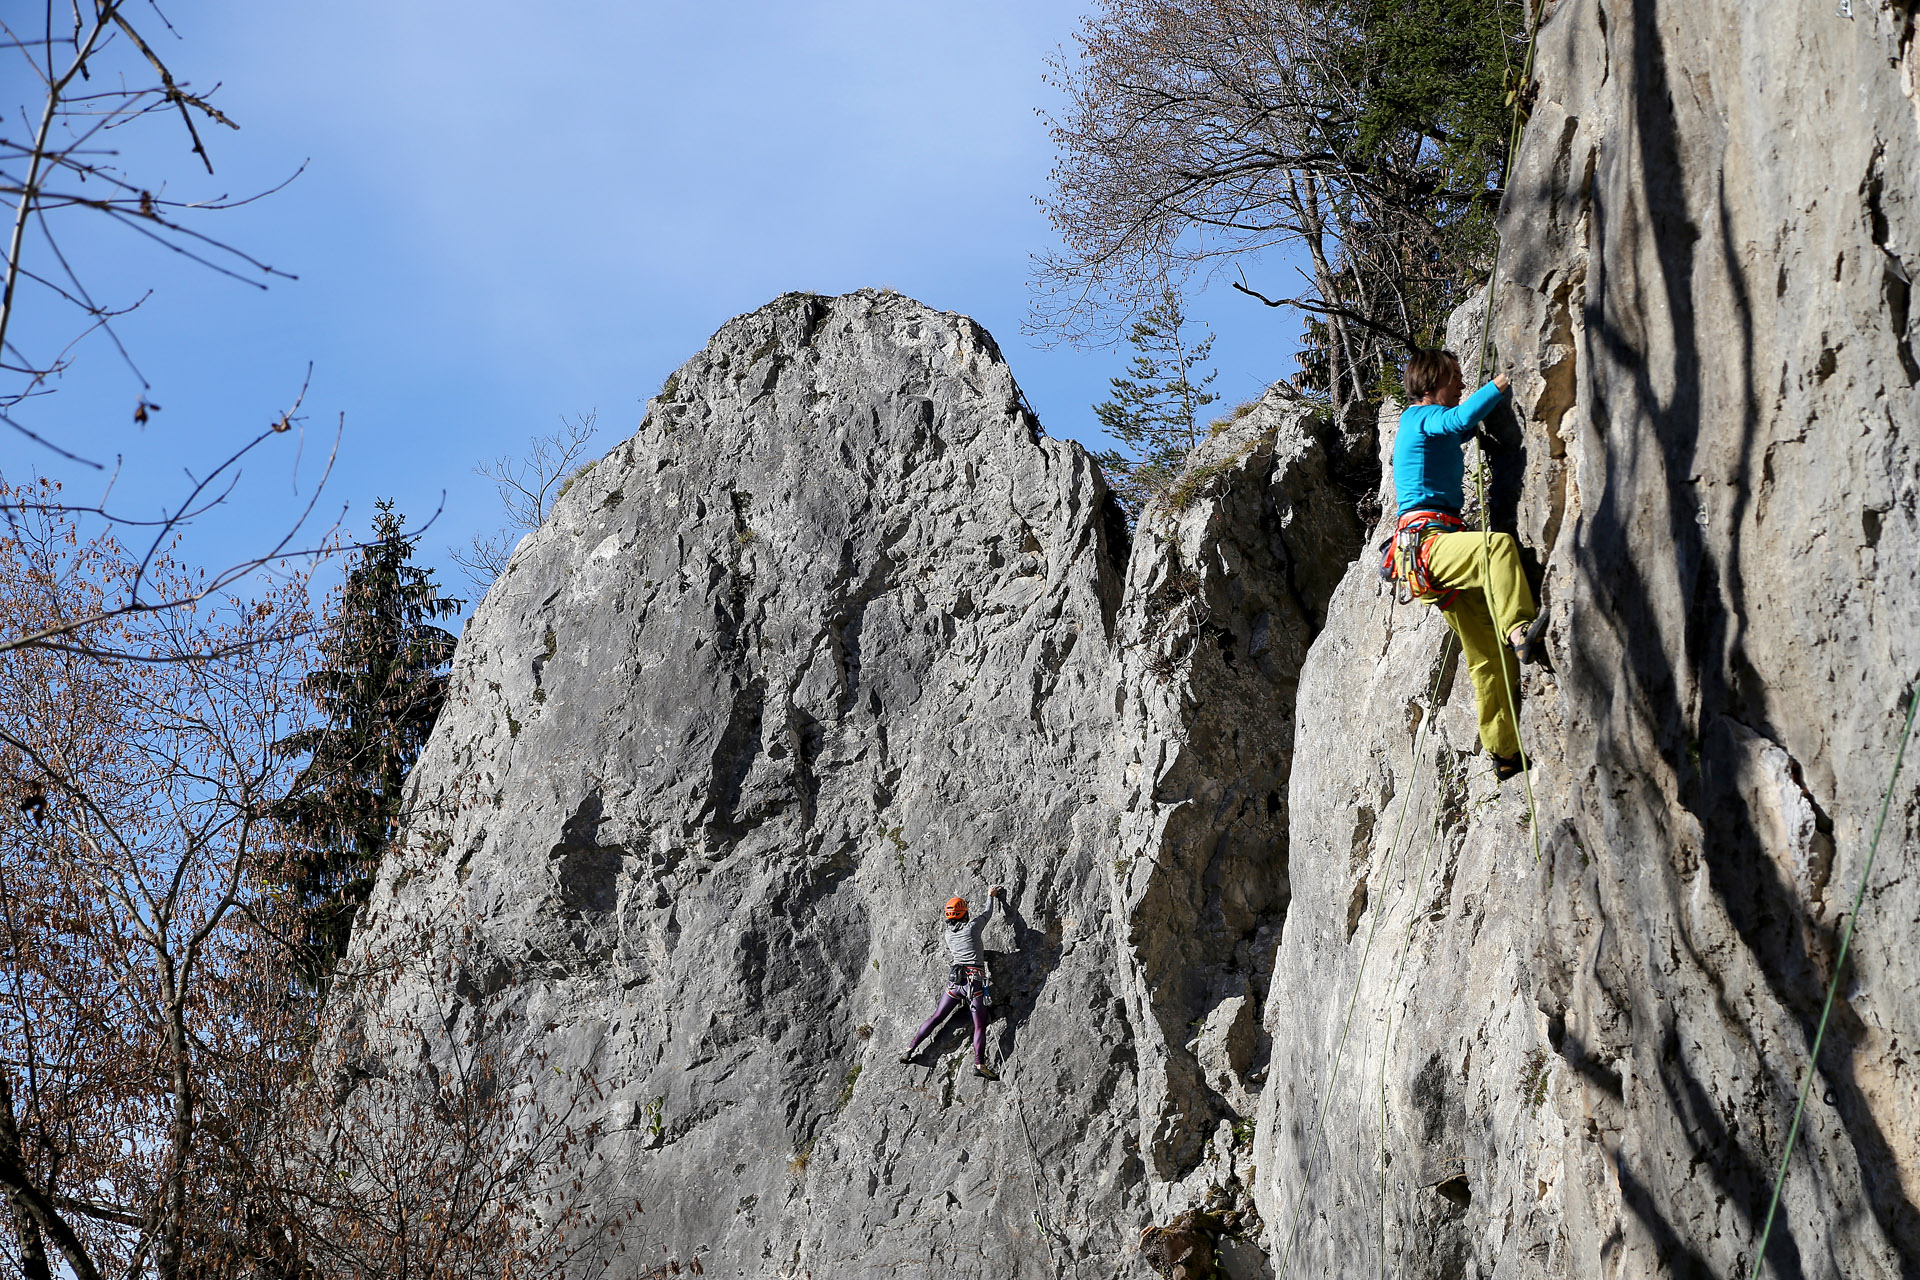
(1155,411)
(380,684)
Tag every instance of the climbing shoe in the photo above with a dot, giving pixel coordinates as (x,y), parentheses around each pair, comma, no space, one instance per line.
(985,1072)
(1505,767)
(1531,647)
(907,1058)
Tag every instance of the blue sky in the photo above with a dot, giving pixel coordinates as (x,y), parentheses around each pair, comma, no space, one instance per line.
(508,215)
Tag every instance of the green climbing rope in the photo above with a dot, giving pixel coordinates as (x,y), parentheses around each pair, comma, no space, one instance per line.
(1506,668)
(1353,996)
(1833,985)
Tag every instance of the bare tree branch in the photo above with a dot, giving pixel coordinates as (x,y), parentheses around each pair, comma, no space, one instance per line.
(528,486)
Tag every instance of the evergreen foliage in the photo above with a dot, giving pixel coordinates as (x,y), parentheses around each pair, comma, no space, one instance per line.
(379,687)
(1430,81)
(1436,72)
(1155,411)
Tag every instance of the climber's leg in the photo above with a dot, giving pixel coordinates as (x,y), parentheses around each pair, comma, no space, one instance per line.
(980,1067)
(948,1003)
(1462,561)
(1490,662)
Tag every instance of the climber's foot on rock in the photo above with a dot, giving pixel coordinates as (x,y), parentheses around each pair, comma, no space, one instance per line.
(1505,767)
(985,1072)
(1530,642)
(907,1057)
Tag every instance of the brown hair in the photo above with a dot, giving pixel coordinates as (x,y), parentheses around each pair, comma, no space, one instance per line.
(1428,371)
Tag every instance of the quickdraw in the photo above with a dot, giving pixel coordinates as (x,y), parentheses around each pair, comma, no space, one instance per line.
(1404,555)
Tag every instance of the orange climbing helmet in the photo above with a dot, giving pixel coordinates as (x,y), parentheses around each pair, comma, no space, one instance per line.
(956,908)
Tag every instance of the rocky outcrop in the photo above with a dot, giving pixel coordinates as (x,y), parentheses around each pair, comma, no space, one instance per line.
(822,644)
(1586,1064)
(835,635)
(1287,976)
(1228,583)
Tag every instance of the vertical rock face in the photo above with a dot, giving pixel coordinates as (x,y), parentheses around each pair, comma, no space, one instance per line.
(823,644)
(838,634)
(1228,583)
(1586,1065)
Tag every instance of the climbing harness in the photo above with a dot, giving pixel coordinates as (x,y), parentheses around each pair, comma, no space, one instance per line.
(1833,985)
(971,984)
(1404,556)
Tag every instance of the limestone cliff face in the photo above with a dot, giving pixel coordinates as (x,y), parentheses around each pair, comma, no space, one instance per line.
(839,633)
(1586,1065)
(1226,588)
(824,643)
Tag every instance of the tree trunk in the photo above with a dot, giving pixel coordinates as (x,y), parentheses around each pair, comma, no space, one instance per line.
(173,1188)
(33,1247)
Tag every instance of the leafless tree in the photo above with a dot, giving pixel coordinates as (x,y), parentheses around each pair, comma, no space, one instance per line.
(139,795)
(167,1105)
(94,73)
(528,486)
(89,82)
(1200,133)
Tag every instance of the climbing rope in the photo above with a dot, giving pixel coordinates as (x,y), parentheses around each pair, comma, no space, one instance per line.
(1833,986)
(1319,1129)
(1047,1231)
(1480,471)
(1507,662)
(1533,822)
(1386,872)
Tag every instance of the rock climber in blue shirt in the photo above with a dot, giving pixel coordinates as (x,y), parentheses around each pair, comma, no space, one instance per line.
(1479,585)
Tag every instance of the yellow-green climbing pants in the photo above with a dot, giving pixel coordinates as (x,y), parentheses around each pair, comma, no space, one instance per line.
(1458,562)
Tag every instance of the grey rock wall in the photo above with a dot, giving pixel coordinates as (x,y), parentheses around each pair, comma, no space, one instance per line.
(839,633)
(824,643)
(835,635)
(1228,583)
(1586,1065)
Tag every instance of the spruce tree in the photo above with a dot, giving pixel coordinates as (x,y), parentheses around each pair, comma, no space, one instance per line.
(379,686)
(1155,411)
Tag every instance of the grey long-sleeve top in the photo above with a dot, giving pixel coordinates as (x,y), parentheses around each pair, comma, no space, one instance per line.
(963,937)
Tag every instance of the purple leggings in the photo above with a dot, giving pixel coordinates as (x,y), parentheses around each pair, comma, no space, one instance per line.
(948,1003)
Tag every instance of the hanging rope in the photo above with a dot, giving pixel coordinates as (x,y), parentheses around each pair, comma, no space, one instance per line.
(1833,986)
(1353,996)
(1484,465)
(1047,1231)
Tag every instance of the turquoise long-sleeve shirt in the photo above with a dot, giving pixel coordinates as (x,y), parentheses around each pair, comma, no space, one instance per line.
(1429,468)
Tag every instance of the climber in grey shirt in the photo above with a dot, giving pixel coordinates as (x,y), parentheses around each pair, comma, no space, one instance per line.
(963,934)
(967,984)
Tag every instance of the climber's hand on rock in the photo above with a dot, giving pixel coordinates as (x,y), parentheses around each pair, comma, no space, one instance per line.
(1503,382)
(998,891)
